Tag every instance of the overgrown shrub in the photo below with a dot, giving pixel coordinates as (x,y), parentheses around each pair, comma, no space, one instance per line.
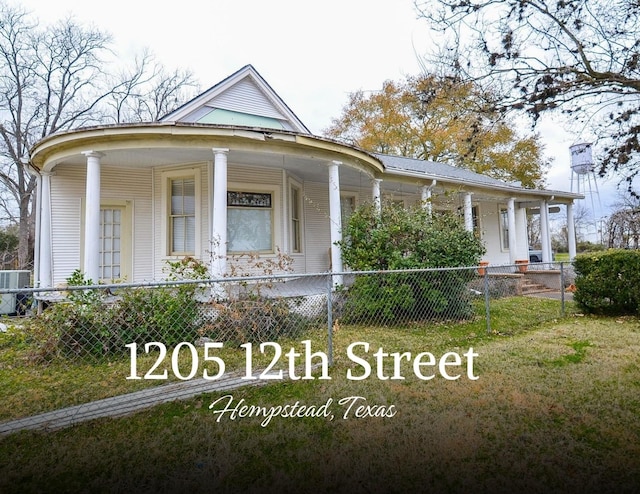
(608,282)
(254,319)
(94,322)
(247,314)
(398,238)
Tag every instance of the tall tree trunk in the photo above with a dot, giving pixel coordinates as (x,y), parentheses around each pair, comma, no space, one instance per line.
(26,227)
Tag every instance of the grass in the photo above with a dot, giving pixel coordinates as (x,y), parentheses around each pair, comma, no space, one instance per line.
(28,389)
(555,409)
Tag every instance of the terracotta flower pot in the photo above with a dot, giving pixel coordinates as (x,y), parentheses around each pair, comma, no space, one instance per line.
(522,265)
(481,269)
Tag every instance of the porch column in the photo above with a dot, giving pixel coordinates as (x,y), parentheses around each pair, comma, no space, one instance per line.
(571,232)
(335,218)
(92,218)
(218,214)
(544,231)
(468,212)
(377,202)
(511,221)
(45,273)
(521,233)
(425,197)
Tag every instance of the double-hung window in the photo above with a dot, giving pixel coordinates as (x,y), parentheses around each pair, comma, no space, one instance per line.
(182,206)
(504,229)
(182,216)
(295,198)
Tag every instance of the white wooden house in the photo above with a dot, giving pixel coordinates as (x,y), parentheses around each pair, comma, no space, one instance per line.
(234,170)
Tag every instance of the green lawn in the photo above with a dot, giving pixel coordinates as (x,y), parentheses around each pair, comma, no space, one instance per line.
(556,408)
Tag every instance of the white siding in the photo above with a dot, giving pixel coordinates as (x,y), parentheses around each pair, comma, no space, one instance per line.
(67,200)
(316,227)
(67,191)
(246,97)
(490,227)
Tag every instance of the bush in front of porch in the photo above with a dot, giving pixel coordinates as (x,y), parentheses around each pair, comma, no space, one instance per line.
(399,238)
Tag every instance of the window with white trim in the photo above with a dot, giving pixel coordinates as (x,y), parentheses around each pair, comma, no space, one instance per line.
(249,221)
(504,229)
(182,216)
(295,198)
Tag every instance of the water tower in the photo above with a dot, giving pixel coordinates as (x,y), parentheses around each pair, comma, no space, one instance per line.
(583,175)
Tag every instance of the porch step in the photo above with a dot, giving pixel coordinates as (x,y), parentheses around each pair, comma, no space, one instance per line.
(529,286)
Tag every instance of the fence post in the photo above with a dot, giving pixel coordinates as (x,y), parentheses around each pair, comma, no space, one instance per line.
(330,318)
(486,300)
(562,289)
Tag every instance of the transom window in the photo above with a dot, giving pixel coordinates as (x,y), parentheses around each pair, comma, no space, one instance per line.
(249,221)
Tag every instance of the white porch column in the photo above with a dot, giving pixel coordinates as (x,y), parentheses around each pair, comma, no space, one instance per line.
(375,192)
(92,218)
(511,221)
(522,233)
(571,231)
(425,197)
(45,272)
(468,212)
(218,214)
(335,218)
(544,231)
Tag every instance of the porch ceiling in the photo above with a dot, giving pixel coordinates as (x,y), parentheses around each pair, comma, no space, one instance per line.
(308,168)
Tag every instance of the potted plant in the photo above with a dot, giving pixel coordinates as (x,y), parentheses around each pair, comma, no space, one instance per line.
(522,265)
(481,269)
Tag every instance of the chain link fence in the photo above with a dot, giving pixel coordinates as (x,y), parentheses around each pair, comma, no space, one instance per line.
(97,321)
(98,325)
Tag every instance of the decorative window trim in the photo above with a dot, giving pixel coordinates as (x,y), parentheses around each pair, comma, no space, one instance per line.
(167,177)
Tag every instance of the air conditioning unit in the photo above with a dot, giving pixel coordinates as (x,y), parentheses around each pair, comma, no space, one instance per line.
(12,280)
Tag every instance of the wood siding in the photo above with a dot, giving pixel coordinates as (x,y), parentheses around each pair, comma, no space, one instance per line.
(246,97)
(67,202)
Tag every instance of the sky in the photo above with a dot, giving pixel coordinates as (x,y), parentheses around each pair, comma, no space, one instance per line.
(313,54)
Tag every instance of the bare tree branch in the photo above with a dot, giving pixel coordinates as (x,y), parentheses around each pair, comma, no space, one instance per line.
(55,78)
(577,57)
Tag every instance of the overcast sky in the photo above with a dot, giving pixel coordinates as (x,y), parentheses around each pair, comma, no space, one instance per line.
(313,54)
